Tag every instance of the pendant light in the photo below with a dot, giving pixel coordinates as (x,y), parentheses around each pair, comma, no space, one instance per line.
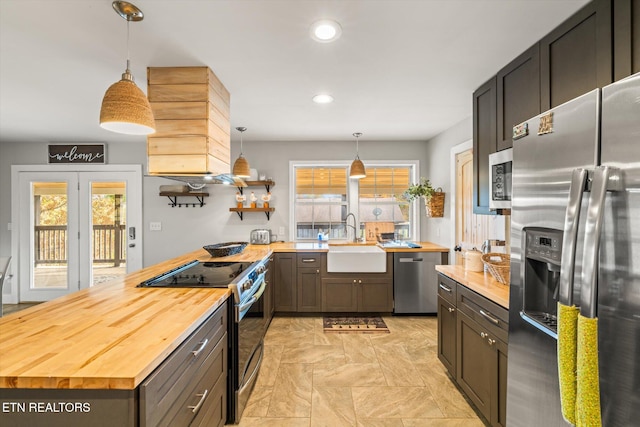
(241,166)
(125,108)
(357,170)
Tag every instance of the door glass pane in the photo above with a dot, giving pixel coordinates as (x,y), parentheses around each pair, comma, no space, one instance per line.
(108,224)
(50,261)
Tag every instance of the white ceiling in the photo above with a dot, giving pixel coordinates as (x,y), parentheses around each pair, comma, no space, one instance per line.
(402,70)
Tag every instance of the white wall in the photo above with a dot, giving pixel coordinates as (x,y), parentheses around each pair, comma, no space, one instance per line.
(186,229)
(438,154)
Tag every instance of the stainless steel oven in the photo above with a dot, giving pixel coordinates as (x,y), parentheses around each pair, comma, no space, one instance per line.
(500,170)
(249,317)
(250,324)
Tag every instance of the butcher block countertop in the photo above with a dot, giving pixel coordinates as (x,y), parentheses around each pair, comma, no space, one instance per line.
(482,283)
(324,246)
(110,336)
(113,335)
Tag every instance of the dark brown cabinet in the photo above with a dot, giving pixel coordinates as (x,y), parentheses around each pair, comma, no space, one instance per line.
(447,315)
(472,345)
(576,57)
(339,295)
(308,283)
(518,92)
(301,283)
(447,335)
(475,363)
(482,369)
(193,375)
(357,292)
(626,38)
(284,281)
(484,143)
(375,295)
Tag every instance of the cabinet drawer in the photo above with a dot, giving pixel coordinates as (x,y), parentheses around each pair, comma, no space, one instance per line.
(447,288)
(159,392)
(203,393)
(214,409)
(487,313)
(309,260)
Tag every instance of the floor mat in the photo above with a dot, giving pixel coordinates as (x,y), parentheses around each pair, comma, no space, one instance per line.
(363,324)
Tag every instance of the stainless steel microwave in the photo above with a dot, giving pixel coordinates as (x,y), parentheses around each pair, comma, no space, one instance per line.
(500,165)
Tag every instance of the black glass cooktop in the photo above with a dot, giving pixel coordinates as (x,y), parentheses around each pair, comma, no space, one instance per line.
(196,274)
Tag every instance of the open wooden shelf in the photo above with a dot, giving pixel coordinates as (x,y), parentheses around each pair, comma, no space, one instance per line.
(173,197)
(240,211)
(267,184)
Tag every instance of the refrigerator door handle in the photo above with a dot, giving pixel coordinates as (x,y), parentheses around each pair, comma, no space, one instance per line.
(570,235)
(605,179)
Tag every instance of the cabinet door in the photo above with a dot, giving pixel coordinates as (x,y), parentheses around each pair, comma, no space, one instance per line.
(499,397)
(447,335)
(626,38)
(475,363)
(375,295)
(339,295)
(518,94)
(576,57)
(309,289)
(284,277)
(484,143)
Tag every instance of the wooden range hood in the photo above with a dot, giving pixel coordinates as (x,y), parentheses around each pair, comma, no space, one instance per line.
(191,110)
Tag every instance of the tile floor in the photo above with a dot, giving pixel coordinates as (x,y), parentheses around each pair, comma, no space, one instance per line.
(310,378)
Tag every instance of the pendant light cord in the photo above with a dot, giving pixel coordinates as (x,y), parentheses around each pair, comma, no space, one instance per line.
(357,135)
(128,20)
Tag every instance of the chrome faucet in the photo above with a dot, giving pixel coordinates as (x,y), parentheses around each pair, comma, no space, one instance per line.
(346,221)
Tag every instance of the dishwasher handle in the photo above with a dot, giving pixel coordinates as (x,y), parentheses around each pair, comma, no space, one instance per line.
(410,259)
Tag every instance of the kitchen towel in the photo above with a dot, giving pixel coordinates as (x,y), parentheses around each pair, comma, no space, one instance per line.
(588,386)
(567,347)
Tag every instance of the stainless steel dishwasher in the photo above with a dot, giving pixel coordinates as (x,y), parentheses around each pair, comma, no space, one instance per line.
(415,281)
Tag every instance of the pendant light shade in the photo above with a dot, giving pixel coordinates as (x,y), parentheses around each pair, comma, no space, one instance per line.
(125,108)
(241,167)
(357,170)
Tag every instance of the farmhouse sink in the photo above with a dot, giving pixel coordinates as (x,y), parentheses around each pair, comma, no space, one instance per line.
(356,259)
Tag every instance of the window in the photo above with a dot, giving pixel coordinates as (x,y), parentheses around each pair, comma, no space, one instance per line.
(322,196)
(320,201)
(381,207)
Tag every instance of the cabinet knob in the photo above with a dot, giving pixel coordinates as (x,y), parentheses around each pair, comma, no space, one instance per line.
(354,280)
(491,341)
(451,310)
(483,335)
(359,281)
(317,271)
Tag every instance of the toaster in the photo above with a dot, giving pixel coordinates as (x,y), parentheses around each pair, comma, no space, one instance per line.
(260,237)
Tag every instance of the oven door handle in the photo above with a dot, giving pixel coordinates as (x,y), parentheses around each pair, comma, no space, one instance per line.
(254,298)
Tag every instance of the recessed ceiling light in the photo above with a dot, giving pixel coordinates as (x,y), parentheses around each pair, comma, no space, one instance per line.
(325,31)
(323,99)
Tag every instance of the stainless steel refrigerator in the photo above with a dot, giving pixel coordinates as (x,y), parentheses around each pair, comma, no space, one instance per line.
(565,163)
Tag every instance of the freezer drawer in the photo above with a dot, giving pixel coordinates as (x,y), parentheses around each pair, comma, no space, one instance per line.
(415,281)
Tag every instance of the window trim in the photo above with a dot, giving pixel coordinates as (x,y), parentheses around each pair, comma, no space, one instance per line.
(353,193)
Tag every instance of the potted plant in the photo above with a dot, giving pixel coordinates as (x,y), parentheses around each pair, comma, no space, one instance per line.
(433,199)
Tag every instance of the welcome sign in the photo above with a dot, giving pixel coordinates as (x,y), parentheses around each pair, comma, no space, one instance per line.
(76,153)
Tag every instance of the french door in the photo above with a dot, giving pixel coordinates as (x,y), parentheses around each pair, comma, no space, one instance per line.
(76,229)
